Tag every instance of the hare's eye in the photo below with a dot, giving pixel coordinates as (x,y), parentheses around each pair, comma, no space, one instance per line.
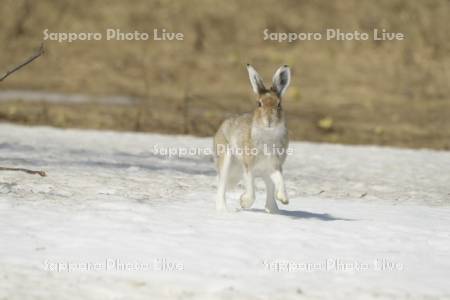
(259,103)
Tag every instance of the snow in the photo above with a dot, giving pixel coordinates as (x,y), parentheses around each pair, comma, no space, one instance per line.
(363,222)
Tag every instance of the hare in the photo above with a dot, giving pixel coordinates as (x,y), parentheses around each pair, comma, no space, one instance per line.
(255,145)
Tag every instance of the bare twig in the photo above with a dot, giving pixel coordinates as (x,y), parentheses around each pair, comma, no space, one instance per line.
(26,62)
(41,173)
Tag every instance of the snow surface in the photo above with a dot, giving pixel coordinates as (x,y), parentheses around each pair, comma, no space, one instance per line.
(363,222)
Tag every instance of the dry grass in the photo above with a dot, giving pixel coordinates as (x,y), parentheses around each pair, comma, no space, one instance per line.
(360,92)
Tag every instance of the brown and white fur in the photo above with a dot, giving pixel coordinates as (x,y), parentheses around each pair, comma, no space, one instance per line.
(253,134)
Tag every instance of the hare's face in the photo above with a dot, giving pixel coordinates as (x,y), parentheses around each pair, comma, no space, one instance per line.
(268,112)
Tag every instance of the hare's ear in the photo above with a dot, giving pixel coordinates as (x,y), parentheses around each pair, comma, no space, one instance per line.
(281,80)
(256,81)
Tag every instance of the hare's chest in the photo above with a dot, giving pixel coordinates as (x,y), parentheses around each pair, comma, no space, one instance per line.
(270,143)
(266,164)
(269,137)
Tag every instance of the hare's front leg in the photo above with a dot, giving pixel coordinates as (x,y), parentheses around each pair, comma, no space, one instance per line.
(280,190)
(248,198)
(224,167)
(271,204)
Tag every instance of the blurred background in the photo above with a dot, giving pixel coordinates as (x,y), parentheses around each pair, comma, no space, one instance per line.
(393,93)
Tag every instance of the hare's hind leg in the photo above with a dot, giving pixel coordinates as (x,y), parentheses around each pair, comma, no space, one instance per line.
(224,161)
(271,204)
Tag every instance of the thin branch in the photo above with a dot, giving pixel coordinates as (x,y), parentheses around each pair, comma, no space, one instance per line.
(41,173)
(26,62)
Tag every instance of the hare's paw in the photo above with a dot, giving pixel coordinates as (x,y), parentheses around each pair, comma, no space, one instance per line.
(247,200)
(272,209)
(222,208)
(221,204)
(282,197)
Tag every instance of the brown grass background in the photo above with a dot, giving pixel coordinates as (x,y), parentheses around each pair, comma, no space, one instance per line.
(359,92)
